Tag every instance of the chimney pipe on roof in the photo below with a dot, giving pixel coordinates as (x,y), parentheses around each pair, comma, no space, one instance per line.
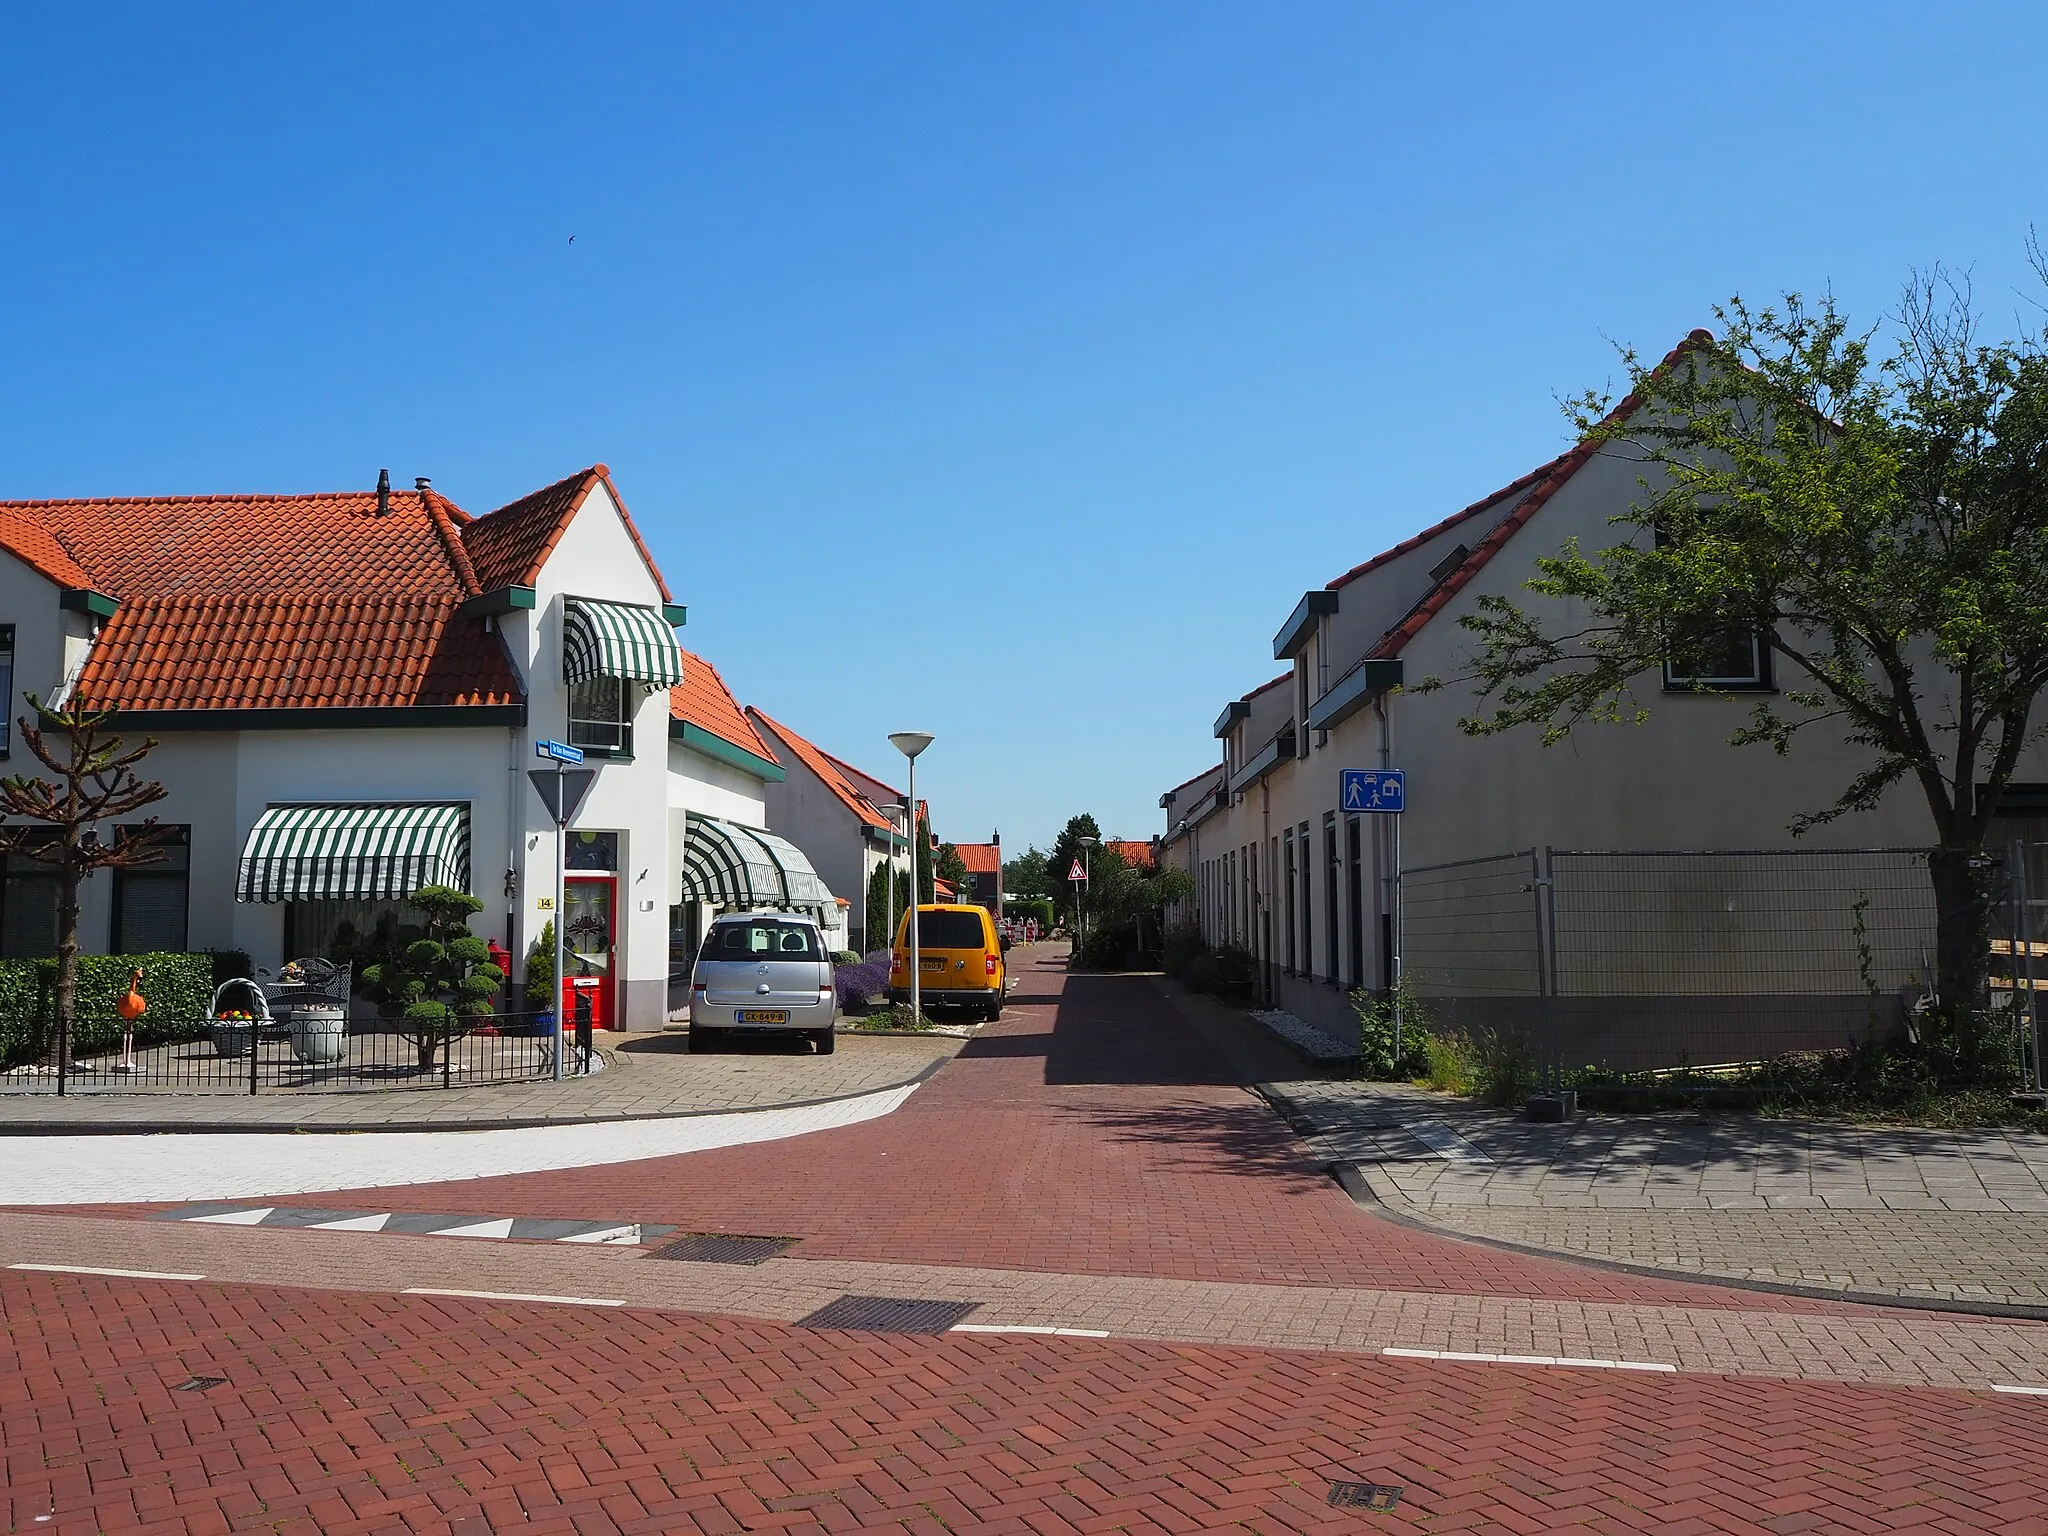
(422,484)
(383,493)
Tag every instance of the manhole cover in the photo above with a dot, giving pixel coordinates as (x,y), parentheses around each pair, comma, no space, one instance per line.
(722,1248)
(200,1383)
(888,1314)
(1379,1496)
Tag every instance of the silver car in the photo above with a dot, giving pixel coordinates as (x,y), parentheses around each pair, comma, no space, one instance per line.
(763,971)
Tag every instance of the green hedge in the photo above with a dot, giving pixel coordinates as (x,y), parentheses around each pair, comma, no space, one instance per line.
(178,988)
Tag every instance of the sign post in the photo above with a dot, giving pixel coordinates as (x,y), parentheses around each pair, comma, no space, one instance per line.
(562,793)
(1381,792)
(1078,878)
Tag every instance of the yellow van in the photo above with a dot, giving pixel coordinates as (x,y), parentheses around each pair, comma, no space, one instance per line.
(960,960)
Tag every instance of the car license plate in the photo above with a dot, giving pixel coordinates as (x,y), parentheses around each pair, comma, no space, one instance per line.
(931,965)
(764,1015)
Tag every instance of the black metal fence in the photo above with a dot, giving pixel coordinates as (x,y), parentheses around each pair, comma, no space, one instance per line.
(2019,955)
(284,1056)
(1631,962)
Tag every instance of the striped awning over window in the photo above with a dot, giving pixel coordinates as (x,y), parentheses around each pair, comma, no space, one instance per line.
(618,640)
(353,852)
(728,865)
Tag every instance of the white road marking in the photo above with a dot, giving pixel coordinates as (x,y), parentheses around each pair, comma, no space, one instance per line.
(626,1234)
(1064,1333)
(1445,1142)
(567,1301)
(502,1227)
(118,1274)
(1567,1360)
(2020,1391)
(353,1224)
(80,1170)
(247,1218)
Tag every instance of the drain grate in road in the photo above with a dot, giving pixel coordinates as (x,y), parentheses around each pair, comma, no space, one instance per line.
(1375,1496)
(723,1248)
(200,1383)
(888,1314)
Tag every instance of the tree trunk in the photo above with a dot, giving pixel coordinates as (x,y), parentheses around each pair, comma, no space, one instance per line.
(67,953)
(1962,949)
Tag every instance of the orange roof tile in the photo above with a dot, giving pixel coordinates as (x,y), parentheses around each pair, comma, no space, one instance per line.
(274,652)
(510,545)
(40,548)
(258,602)
(703,700)
(1137,855)
(980,858)
(822,766)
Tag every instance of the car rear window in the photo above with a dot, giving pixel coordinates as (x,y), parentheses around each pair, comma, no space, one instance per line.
(763,940)
(949,930)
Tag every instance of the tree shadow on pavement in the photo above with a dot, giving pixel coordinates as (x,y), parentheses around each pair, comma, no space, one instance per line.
(1215,1139)
(1121,1029)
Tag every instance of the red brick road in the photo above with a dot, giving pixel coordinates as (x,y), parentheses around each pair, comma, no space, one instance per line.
(1094,1131)
(346,1413)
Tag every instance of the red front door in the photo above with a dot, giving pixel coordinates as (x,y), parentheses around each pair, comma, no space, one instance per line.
(589,949)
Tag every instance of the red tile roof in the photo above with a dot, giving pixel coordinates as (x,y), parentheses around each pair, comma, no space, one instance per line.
(511,544)
(268,602)
(1512,488)
(703,700)
(1137,855)
(865,783)
(821,765)
(980,858)
(1553,477)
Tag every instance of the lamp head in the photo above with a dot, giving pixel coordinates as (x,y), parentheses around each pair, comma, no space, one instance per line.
(1086,841)
(910,743)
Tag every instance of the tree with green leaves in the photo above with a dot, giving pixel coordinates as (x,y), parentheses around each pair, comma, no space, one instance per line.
(948,865)
(1066,850)
(1878,522)
(880,905)
(441,982)
(95,781)
(1025,875)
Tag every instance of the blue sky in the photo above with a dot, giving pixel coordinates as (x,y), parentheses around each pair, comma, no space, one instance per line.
(1003,371)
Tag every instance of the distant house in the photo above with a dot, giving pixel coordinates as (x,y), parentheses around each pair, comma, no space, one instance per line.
(983,884)
(1137,855)
(835,814)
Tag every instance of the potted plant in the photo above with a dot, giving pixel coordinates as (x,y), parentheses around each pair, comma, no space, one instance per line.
(540,981)
(238,1011)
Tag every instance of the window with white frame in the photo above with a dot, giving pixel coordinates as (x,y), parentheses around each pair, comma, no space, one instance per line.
(601,714)
(1733,659)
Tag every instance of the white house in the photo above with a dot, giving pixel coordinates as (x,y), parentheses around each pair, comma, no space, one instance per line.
(1286,870)
(347,690)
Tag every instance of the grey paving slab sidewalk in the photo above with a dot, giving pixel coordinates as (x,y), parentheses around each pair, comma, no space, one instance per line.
(652,1075)
(1917,1214)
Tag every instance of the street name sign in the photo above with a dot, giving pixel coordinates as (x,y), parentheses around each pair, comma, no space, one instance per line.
(1384,790)
(558,751)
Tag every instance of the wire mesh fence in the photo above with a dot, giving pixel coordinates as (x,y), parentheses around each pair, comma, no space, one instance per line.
(1630,962)
(281,1056)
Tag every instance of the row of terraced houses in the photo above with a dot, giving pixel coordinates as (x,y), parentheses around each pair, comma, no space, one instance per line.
(1327,898)
(347,690)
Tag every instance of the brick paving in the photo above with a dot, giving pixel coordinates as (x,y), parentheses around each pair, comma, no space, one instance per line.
(355,1414)
(1918,1214)
(649,1075)
(1097,1129)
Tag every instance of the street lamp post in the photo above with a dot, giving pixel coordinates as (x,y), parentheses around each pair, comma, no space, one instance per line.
(1087,866)
(895,814)
(910,743)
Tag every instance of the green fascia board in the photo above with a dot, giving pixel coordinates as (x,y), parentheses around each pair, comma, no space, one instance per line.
(1302,622)
(85,600)
(504,600)
(697,739)
(893,840)
(396,718)
(1354,690)
(677,614)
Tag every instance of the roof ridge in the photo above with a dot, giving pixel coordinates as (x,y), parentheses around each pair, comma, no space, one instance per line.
(1196,778)
(1558,472)
(171,501)
(855,801)
(436,506)
(1519,483)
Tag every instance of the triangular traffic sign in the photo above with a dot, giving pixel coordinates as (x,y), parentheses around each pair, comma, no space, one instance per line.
(1078,872)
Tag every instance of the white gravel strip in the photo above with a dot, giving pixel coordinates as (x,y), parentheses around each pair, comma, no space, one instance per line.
(88,1170)
(1304,1036)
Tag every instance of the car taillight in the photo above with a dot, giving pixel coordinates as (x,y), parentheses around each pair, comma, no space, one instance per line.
(988,963)
(696,986)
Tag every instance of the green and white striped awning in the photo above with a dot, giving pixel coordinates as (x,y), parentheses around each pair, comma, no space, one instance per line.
(353,852)
(618,640)
(732,866)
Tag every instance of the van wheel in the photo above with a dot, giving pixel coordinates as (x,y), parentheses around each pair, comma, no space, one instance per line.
(825,1040)
(701,1040)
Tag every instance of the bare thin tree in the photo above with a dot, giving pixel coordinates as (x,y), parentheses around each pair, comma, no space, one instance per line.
(53,821)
